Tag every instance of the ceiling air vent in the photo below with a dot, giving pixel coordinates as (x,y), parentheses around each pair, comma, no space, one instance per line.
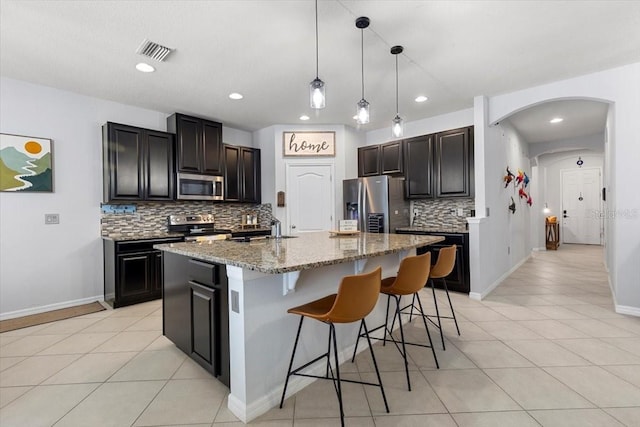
(153,50)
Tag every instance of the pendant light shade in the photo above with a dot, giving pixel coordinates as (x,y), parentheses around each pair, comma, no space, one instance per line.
(397,124)
(362,111)
(316,87)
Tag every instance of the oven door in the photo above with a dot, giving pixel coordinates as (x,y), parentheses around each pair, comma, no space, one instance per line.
(199,187)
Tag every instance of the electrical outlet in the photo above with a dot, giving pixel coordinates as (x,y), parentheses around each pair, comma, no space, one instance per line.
(51,219)
(235,301)
(415,212)
(460,212)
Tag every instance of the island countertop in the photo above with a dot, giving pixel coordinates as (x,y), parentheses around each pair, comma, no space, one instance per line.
(306,251)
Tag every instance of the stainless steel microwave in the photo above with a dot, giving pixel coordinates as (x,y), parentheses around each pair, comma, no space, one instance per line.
(199,187)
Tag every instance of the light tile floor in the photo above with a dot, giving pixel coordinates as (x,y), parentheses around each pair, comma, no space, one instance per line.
(545,348)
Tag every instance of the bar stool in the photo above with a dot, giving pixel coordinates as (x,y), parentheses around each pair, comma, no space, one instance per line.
(444,266)
(412,275)
(357,296)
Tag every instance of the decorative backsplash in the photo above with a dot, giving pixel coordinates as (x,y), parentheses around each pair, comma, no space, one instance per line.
(437,212)
(152,216)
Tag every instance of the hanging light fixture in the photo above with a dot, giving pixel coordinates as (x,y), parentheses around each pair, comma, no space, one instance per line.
(362,111)
(397,124)
(316,87)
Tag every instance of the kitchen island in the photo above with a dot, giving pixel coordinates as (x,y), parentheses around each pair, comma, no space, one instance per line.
(263,278)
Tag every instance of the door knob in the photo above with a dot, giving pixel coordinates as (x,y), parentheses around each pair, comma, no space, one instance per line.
(293,226)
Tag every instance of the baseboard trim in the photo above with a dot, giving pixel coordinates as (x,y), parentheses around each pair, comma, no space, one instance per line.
(625,309)
(50,307)
(479,296)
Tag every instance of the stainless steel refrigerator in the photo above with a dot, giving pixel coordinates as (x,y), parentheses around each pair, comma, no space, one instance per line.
(377,202)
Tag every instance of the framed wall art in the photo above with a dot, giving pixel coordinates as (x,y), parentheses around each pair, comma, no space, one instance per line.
(26,164)
(309,144)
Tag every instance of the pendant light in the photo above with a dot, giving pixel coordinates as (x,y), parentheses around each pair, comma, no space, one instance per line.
(316,87)
(397,124)
(362,110)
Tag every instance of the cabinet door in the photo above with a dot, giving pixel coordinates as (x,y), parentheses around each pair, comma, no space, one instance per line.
(250,175)
(369,161)
(418,167)
(124,165)
(188,135)
(392,158)
(211,148)
(134,277)
(156,273)
(159,166)
(204,334)
(231,173)
(453,164)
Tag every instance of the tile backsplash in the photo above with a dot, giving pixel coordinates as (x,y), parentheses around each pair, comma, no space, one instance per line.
(152,216)
(437,212)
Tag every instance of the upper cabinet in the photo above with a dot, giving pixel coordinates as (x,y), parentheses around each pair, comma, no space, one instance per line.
(198,144)
(418,171)
(369,160)
(138,163)
(242,174)
(453,163)
(384,159)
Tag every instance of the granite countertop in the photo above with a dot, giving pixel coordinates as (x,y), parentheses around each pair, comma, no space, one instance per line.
(163,234)
(438,229)
(309,250)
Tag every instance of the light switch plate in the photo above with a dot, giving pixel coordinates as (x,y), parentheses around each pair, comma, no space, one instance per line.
(51,219)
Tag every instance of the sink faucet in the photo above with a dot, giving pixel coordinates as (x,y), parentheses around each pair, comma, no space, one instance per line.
(276,222)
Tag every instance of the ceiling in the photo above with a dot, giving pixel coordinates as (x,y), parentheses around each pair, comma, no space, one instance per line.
(454,50)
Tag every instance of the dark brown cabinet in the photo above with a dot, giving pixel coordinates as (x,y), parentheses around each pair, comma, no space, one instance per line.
(138,163)
(132,271)
(391,158)
(369,161)
(195,309)
(242,181)
(419,167)
(198,144)
(459,279)
(453,163)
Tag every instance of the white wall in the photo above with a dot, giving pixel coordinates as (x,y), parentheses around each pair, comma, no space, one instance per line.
(621,87)
(44,267)
(454,120)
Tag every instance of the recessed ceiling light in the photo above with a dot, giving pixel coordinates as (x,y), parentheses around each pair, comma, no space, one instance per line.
(421,98)
(304,117)
(556,120)
(144,67)
(235,95)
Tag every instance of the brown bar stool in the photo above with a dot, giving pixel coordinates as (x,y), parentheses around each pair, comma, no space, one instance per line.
(357,296)
(412,275)
(444,266)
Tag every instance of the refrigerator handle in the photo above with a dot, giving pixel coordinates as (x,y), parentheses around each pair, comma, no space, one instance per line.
(359,201)
(363,209)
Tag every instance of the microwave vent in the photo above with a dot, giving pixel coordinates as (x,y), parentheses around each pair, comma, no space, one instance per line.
(153,50)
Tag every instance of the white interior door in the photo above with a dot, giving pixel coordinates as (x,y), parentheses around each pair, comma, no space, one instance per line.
(580,206)
(310,197)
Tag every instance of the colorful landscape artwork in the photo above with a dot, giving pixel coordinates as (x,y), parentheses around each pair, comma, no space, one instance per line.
(25,164)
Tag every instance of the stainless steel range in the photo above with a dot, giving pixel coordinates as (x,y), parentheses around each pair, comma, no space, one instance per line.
(196,227)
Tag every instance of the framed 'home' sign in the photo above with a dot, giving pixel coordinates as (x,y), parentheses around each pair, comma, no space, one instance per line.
(309,144)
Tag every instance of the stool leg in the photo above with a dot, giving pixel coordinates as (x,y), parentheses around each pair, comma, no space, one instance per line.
(413,304)
(375,364)
(404,349)
(355,350)
(295,345)
(332,331)
(451,305)
(435,302)
(328,356)
(386,320)
(424,320)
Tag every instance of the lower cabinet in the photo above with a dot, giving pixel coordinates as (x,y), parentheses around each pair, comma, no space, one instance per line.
(458,280)
(195,311)
(132,271)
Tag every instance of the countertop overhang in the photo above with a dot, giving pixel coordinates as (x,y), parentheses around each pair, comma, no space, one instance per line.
(306,251)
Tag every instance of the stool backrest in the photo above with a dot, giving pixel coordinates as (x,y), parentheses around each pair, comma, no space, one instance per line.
(412,274)
(357,296)
(445,263)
